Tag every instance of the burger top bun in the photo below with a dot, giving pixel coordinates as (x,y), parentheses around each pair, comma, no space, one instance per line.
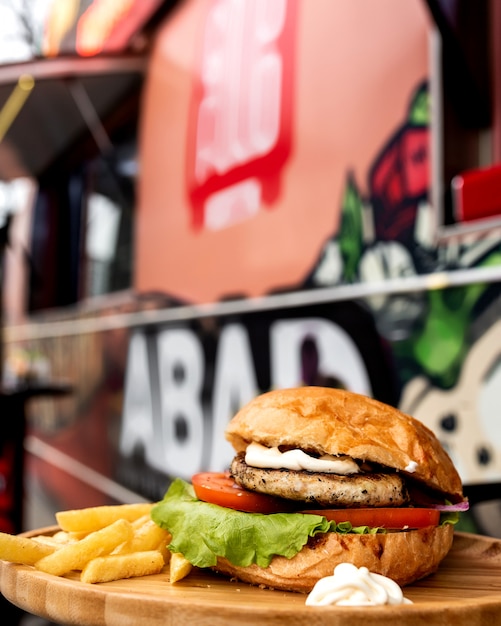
(338,422)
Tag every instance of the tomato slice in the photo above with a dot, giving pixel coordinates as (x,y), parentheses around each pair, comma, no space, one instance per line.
(219,488)
(390,518)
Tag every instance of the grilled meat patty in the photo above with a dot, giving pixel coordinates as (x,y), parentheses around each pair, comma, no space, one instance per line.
(327,490)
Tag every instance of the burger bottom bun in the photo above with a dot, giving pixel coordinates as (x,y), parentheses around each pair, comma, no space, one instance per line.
(404,556)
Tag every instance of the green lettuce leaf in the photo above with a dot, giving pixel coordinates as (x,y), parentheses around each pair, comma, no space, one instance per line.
(449,517)
(203,532)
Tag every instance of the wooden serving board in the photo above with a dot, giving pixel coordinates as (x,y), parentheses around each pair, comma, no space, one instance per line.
(465,591)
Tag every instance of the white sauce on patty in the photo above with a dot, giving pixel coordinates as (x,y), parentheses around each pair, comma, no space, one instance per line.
(411,467)
(271,458)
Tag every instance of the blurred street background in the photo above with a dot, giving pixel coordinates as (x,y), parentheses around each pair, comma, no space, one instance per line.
(202,200)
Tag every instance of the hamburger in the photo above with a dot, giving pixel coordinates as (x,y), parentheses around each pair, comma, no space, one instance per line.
(321,476)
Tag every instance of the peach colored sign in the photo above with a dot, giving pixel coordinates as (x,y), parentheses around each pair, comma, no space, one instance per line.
(254,114)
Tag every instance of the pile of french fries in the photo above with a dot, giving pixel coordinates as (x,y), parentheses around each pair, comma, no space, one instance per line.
(103,543)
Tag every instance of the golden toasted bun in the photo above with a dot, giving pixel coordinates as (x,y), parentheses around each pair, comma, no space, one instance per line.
(335,421)
(403,556)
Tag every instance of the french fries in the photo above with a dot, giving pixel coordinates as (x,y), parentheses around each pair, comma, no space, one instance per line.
(74,556)
(179,567)
(97,517)
(22,549)
(105,569)
(103,543)
(147,536)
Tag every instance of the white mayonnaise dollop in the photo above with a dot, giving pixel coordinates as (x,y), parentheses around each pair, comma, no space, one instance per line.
(271,458)
(355,586)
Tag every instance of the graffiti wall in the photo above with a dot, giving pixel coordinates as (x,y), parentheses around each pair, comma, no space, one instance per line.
(285,234)
(323,180)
